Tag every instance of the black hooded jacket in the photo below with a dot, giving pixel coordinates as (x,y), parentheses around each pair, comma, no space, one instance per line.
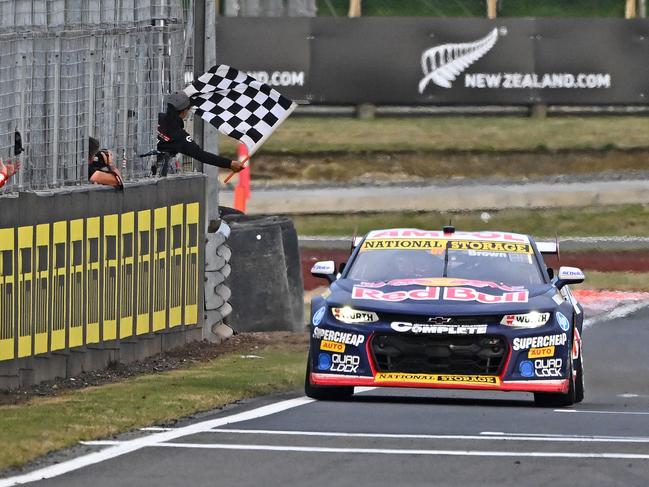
(172,138)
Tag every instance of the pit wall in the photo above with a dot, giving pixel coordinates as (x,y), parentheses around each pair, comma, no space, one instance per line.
(91,276)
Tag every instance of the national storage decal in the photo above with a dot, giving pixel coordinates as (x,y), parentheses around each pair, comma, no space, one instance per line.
(433,244)
(436,378)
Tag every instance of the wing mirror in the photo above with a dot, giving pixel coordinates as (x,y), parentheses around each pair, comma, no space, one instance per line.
(569,275)
(325,269)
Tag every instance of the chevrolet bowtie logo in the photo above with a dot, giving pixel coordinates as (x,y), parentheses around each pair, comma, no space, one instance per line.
(438,320)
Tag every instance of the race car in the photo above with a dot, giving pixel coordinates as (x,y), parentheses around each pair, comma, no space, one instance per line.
(450,310)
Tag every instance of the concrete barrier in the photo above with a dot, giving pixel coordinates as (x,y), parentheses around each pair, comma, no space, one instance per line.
(266,279)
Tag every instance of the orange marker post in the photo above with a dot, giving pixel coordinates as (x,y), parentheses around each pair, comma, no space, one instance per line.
(242,190)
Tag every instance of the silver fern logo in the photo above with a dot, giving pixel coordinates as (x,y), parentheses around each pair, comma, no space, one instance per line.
(442,64)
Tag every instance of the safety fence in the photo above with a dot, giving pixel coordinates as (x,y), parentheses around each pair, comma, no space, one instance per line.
(70,69)
(119,267)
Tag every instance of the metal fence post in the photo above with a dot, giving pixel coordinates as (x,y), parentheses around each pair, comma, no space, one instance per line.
(54,134)
(91,92)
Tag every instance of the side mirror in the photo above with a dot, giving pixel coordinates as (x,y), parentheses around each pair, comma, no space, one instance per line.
(550,272)
(341,267)
(569,275)
(325,269)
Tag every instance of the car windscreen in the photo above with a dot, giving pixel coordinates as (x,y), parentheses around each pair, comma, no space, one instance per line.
(513,264)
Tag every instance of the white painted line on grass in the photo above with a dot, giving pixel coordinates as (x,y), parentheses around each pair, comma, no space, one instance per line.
(494,436)
(601,412)
(150,440)
(393,451)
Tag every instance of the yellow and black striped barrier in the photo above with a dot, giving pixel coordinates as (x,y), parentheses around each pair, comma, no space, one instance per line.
(83,281)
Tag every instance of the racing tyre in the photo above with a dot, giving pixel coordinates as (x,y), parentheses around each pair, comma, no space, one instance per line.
(579,379)
(558,399)
(325,393)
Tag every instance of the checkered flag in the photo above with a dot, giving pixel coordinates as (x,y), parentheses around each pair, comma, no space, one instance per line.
(238,105)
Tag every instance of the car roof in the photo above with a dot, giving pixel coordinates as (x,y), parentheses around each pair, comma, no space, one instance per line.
(415,233)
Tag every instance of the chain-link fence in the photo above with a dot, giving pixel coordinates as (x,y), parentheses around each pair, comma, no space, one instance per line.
(74,68)
(478,8)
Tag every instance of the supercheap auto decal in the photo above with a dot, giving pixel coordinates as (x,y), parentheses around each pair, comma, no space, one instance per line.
(342,337)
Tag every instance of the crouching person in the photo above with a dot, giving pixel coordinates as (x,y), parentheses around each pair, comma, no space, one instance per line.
(101,167)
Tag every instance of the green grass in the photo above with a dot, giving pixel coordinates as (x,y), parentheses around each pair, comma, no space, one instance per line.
(305,135)
(617,281)
(596,221)
(30,430)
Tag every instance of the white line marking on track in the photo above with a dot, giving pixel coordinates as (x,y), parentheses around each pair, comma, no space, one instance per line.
(583,411)
(471,453)
(150,440)
(361,389)
(156,428)
(495,436)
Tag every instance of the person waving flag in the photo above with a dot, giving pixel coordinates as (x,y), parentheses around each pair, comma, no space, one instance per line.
(238,105)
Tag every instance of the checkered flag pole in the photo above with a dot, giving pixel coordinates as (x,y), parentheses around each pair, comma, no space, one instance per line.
(238,105)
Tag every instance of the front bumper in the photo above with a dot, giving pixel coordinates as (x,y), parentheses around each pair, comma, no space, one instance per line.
(492,383)
(347,356)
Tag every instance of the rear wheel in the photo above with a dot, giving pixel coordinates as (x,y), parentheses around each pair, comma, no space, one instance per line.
(325,393)
(558,399)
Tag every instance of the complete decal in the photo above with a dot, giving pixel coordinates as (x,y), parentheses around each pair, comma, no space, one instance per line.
(425,328)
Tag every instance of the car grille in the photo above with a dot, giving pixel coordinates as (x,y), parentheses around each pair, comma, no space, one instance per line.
(439,354)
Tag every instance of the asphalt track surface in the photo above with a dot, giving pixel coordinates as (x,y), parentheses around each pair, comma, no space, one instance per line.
(402,437)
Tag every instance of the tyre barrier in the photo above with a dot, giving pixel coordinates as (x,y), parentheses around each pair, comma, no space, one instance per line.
(217,292)
(266,277)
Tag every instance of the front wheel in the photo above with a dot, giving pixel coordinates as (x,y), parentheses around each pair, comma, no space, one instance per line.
(579,379)
(325,393)
(558,399)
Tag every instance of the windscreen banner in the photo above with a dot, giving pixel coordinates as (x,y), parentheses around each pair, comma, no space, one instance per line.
(441,61)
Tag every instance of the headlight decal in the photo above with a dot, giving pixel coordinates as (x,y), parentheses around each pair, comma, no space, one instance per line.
(533,319)
(350,315)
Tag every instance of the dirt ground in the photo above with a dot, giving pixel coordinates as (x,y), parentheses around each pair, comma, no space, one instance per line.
(190,354)
(378,167)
